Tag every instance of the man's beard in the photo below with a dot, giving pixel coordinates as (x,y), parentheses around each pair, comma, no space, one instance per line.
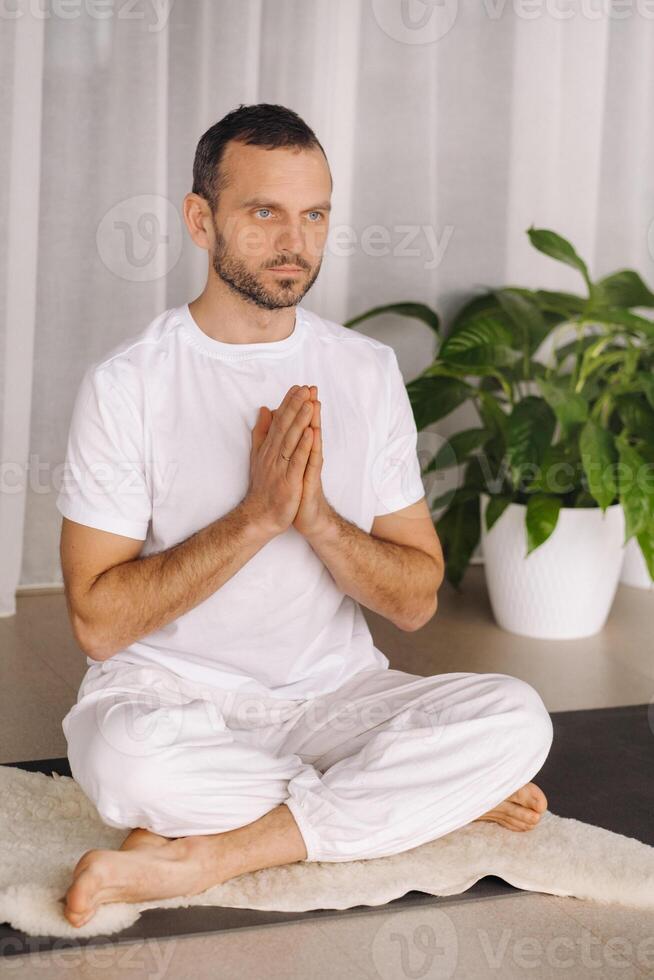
(238,277)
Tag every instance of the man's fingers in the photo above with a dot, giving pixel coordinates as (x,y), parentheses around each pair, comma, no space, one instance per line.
(285,400)
(314,462)
(302,452)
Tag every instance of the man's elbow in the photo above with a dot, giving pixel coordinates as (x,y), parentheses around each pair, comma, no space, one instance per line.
(418,622)
(89,642)
(440,572)
(429,610)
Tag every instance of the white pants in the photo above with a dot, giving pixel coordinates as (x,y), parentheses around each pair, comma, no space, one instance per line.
(388,761)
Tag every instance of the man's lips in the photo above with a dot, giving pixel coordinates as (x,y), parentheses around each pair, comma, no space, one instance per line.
(286,268)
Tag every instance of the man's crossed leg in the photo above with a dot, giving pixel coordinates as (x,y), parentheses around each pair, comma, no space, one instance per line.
(387,762)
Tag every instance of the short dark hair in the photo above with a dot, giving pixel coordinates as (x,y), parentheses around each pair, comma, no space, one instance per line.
(268,125)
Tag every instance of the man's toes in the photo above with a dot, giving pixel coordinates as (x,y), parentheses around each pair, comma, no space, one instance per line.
(537,800)
(79,918)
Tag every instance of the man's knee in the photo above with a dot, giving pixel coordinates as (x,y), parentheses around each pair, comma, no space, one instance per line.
(116,762)
(534,731)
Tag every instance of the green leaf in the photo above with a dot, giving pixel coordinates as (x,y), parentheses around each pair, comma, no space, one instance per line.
(645,383)
(479,474)
(418,310)
(459,445)
(637,415)
(561,471)
(595,358)
(625,288)
(525,315)
(473,476)
(485,303)
(459,530)
(574,347)
(542,516)
(433,398)
(569,407)
(558,248)
(623,318)
(494,509)
(584,499)
(562,305)
(636,490)
(566,305)
(482,340)
(599,456)
(455,370)
(646,541)
(530,429)
(552,307)
(492,414)
(525,372)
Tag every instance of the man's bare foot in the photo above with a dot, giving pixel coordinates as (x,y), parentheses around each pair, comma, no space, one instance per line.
(149,867)
(139,872)
(521,810)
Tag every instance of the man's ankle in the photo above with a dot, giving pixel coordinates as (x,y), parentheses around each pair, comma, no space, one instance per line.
(273,839)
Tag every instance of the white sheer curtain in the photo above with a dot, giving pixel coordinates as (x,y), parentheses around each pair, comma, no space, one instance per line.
(450,128)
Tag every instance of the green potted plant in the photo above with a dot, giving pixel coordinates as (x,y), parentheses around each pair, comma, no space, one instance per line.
(559,472)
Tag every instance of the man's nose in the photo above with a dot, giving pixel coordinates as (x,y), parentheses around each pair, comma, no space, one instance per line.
(291,240)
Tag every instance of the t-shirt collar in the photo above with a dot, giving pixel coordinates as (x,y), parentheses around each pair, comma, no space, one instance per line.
(231,352)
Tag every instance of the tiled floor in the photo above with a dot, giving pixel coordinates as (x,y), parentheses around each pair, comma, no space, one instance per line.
(528,934)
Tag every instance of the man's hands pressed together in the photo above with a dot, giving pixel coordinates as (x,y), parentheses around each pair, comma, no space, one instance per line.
(314,509)
(397,580)
(286,463)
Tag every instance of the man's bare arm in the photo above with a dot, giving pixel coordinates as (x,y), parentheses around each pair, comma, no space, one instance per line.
(397,581)
(134,598)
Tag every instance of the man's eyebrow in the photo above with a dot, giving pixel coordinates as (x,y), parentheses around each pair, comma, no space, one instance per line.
(259,202)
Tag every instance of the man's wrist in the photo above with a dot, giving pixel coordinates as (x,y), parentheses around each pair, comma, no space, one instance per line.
(326,530)
(255,529)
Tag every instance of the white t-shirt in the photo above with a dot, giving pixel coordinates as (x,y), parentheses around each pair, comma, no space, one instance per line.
(159,447)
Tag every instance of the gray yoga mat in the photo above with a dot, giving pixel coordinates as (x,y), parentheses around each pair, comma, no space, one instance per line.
(598,771)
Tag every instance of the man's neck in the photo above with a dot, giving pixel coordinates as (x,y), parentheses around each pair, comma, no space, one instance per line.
(232,320)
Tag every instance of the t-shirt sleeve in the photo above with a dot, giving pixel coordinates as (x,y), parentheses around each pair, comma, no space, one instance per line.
(104,483)
(397,481)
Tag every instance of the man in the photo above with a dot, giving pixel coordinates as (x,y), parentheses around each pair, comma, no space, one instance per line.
(235,713)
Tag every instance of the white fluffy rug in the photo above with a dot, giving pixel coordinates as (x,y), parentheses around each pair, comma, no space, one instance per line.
(47,823)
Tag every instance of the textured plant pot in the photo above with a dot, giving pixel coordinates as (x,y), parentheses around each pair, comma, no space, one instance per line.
(565,588)
(634,570)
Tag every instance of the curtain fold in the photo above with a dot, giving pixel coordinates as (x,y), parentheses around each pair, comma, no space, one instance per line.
(19,223)
(450,128)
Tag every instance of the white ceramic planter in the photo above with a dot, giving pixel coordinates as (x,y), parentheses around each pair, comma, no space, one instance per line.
(634,569)
(565,588)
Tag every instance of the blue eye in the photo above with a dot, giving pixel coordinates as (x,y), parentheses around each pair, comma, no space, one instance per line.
(319,213)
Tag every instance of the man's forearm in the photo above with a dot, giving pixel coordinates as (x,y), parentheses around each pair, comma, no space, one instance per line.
(137,597)
(397,581)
